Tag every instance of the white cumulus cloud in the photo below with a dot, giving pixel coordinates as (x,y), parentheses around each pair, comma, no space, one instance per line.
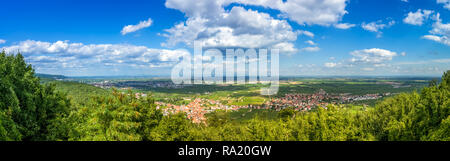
(377,26)
(238,27)
(287,48)
(213,25)
(344,26)
(306,33)
(445,2)
(310,49)
(373,56)
(310,42)
(323,12)
(418,17)
(2,41)
(133,28)
(330,65)
(440,32)
(65,54)
(440,39)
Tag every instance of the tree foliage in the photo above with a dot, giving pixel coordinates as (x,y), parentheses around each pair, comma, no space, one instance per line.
(28,110)
(415,116)
(121,116)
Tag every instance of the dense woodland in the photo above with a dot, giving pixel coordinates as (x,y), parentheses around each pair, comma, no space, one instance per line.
(31,111)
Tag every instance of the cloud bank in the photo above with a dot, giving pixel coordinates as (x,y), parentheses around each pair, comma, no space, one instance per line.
(213,25)
(63,54)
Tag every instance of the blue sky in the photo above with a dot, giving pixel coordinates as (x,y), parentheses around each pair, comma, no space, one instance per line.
(323,37)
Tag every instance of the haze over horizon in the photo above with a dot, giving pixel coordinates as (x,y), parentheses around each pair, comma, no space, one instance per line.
(146,38)
(281,76)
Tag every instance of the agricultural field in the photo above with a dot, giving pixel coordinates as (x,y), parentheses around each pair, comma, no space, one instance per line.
(250,93)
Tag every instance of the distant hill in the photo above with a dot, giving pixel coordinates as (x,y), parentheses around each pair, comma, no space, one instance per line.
(79,92)
(50,76)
